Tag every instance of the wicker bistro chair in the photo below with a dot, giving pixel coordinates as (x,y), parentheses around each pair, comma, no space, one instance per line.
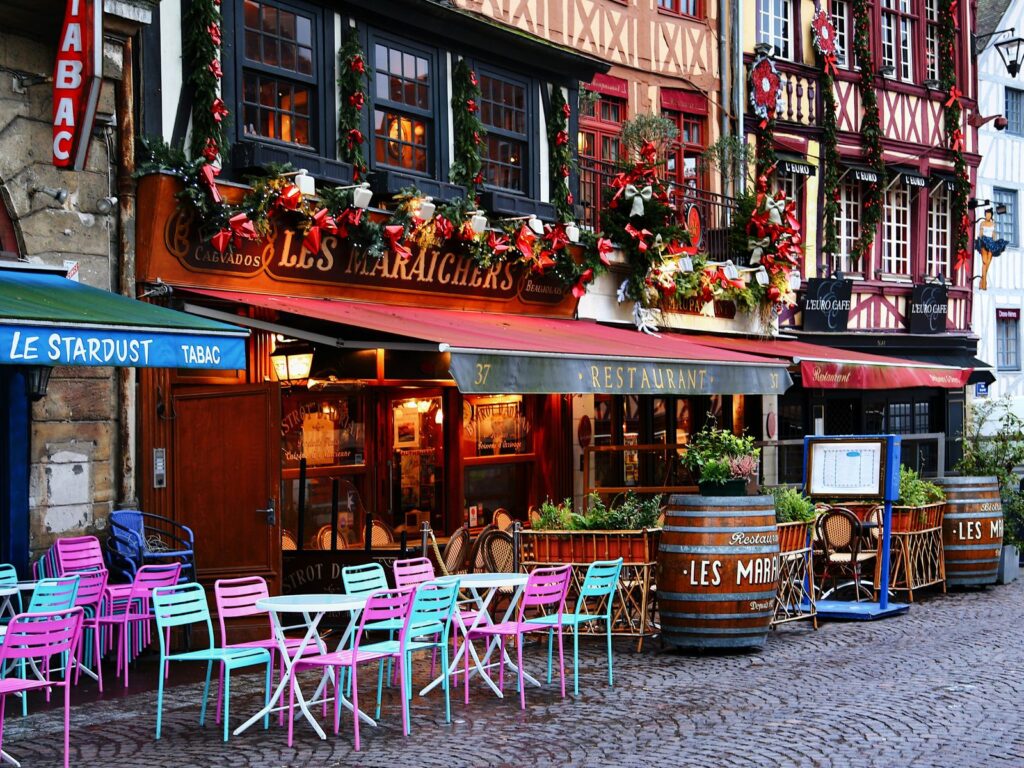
(476,553)
(381,534)
(502,519)
(839,534)
(497,552)
(456,552)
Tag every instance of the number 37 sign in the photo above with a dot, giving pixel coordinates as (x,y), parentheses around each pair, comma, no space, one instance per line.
(76,82)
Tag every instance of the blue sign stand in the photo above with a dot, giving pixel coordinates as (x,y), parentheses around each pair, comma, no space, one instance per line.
(866,611)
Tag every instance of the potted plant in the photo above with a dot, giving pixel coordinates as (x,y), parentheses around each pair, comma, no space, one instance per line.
(794,515)
(919,506)
(559,534)
(723,464)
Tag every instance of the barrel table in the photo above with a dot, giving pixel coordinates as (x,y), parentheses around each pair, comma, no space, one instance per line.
(972,530)
(718,570)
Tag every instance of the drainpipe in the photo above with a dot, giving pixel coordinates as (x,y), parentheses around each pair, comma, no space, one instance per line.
(723,75)
(126,492)
(736,12)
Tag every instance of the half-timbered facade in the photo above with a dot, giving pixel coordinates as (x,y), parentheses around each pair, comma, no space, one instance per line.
(913,244)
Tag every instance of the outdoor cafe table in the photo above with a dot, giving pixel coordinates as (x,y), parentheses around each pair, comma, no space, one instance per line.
(483,587)
(7,608)
(312,608)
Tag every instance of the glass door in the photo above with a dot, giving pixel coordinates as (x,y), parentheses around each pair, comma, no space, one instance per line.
(416,467)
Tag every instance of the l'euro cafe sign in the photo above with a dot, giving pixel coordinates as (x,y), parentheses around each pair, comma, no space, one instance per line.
(77,76)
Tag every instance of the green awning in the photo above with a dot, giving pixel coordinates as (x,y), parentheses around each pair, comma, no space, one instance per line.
(47,319)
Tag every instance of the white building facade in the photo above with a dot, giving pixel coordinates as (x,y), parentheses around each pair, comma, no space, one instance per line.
(998,309)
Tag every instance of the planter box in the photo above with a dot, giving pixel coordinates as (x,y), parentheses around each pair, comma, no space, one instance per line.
(793,536)
(634,547)
(913,519)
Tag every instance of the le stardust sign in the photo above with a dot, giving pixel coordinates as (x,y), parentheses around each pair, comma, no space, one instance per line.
(77,76)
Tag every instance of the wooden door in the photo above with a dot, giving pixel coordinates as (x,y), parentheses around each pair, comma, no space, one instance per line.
(226,471)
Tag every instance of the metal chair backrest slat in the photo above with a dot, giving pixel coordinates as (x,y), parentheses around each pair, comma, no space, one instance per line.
(546,587)
(431,608)
(601,580)
(178,605)
(384,605)
(91,585)
(413,572)
(54,595)
(362,579)
(42,635)
(78,553)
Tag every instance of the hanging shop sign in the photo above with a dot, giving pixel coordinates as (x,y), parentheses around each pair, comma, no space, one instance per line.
(929,307)
(827,305)
(77,76)
(914,179)
(865,175)
(170,248)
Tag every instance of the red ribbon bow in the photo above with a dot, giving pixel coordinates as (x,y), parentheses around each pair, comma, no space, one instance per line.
(830,64)
(524,242)
(355,136)
(497,243)
(561,138)
(215,70)
(957,140)
(604,247)
(962,259)
(220,240)
(208,174)
(322,221)
(242,228)
(356,64)
(566,110)
(289,197)
(357,99)
(639,235)
(954,96)
(581,285)
(556,237)
(219,110)
(394,234)
(211,150)
(214,32)
(443,228)
(649,152)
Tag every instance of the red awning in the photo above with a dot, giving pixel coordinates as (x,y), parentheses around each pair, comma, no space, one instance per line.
(540,354)
(824,367)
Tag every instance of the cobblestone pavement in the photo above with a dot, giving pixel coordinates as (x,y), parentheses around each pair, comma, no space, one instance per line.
(940,686)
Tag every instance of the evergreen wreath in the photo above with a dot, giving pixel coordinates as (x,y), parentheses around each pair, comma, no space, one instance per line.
(824,37)
(202,30)
(870,131)
(949,26)
(560,155)
(766,100)
(467,166)
(351,98)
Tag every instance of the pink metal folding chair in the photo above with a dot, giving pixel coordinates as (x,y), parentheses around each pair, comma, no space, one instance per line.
(544,594)
(413,572)
(37,639)
(236,598)
(83,553)
(135,609)
(92,587)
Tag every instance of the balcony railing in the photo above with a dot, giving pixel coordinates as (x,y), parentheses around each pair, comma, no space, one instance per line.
(713,213)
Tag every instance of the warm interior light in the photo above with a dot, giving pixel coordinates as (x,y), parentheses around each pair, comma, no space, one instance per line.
(439,417)
(292,366)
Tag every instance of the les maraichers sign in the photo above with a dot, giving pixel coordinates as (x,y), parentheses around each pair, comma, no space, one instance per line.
(283,258)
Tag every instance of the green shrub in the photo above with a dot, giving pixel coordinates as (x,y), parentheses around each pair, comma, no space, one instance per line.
(917,492)
(709,452)
(633,513)
(791,505)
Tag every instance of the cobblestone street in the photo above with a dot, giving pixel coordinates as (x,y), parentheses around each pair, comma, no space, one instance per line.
(940,686)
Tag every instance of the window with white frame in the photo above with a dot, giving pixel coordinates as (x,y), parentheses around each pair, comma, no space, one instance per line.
(896,231)
(841,21)
(1007,340)
(1006,223)
(847,225)
(775,25)
(1014,111)
(931,39)
(937,257)
(898,37)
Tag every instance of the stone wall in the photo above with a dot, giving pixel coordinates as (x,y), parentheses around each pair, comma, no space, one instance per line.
(74,428)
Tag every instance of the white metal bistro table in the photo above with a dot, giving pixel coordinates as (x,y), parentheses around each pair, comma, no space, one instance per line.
(312,608)
(483,587)
(7,607)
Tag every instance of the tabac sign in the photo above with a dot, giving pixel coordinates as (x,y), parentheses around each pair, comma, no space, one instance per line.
(170,249)
(76,82)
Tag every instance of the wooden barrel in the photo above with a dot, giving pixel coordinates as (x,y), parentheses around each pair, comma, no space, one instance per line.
(972,530)
(718,571)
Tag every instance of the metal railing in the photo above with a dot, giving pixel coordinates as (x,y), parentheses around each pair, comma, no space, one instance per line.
(712,213)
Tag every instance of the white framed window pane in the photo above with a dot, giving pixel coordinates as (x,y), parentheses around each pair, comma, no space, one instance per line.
(938,254)
(906,49)
(1006,223)
(840,14)
(888,40)
(847,224)
(1014,111)
(1008,344)
(896,232)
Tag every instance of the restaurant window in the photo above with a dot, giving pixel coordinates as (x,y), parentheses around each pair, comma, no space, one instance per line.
(841,21)
(279,73)
(682,162)
(848,214)
(896,248)
(931,39)
(1006,223)
(600,148)
(1014,111)
(323,442)
(901,420)
(938,255)
(403,106)
(775,25)
(506,116)
(898,38)
(497,449)
(683,7)
(1008,340)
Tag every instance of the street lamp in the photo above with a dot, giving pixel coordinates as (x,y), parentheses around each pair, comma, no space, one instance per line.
(37,377)
(292,364)
(1011,50)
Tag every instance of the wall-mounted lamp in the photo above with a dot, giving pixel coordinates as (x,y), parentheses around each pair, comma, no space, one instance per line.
(292,365)
(427,208)
(931,84)
(976,202)
(59,194)
(478,223)
(362,195)
(887,71)
(572,232)
(1011,50)
(37,377)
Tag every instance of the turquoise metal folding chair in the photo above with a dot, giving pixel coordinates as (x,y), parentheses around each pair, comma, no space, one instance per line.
(9,580)
(184,605)
(601,581)
(365,580)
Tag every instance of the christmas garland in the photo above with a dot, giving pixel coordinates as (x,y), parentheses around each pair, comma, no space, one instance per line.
(766,100)
(774,242)
(202,30)
(274,202)
(949,27)
(467,167)
(824,37)
(560,155)
(870,131)
(352,97)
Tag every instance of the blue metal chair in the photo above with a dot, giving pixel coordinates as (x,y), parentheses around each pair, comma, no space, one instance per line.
(365,580)
(184,605)
(148,539)
(601,582)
